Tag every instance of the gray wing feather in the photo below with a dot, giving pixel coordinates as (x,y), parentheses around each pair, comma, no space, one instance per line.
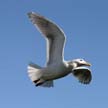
(53,34)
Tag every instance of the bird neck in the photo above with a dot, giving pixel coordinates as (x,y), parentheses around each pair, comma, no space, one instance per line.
(72,64)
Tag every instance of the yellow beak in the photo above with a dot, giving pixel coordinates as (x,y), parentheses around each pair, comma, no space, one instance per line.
(87,64)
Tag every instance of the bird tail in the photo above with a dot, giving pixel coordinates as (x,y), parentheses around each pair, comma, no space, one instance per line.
(35,74)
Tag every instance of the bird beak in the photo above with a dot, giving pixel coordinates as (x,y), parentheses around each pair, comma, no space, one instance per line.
(87,64)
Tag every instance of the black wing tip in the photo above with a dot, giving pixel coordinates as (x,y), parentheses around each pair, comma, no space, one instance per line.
(86,81)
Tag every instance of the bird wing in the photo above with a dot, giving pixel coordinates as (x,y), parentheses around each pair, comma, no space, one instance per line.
(54,36)
(83,74)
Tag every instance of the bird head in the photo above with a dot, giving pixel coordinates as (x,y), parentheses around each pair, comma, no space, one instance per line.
(79,62)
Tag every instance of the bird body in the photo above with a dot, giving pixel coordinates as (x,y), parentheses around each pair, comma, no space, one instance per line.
(56,71)
(56,67)
(50,72)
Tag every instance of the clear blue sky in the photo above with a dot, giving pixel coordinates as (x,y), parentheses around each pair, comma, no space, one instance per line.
(85,23)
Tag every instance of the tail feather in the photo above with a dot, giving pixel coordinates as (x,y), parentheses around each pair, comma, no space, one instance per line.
(35,74)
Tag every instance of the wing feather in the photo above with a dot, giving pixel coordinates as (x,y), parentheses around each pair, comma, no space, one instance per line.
(83,74)
(53,34)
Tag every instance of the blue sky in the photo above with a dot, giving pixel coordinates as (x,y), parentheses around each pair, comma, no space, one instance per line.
(85,23)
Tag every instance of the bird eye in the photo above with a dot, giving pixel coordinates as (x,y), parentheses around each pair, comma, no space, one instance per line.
(81,60)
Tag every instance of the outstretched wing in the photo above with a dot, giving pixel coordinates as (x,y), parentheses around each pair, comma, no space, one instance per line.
(83,74)
(53,34)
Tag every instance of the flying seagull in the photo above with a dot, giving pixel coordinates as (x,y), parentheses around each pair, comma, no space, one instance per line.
(56,67)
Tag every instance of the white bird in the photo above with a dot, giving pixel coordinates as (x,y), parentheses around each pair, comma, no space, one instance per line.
(56,67)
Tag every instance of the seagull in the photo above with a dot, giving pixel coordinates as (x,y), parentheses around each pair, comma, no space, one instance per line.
(56,67)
